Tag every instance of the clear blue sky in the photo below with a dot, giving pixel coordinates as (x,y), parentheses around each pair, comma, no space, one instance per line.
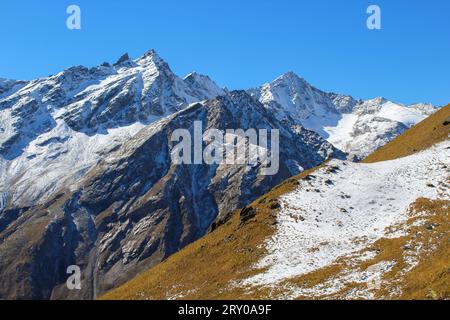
(244,43)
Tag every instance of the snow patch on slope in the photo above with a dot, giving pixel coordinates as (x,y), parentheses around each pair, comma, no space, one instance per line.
(395,112)
(340,134)
(371,277)
(344,207)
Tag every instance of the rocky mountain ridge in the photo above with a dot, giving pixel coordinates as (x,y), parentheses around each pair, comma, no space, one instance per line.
(136,207)
(356,127)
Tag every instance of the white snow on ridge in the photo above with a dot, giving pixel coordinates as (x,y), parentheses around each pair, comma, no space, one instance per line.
(356,127)
(341,134)
(320,221)
(203,85)
(399,113)
(59,158)
(371,125)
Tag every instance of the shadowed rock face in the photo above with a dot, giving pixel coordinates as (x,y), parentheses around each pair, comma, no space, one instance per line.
(136,207)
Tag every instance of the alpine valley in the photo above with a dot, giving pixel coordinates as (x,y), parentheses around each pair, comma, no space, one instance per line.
(87,179)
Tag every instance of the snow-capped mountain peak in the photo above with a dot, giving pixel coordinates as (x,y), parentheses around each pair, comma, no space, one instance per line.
(57,127)
(150,57)
(292,79)
(355,126)
(292,97)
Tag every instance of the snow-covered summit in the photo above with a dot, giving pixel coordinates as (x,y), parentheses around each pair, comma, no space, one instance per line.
(53,129)
(356,127)
(203,85)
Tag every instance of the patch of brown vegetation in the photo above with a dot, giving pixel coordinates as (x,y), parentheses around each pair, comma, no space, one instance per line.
(432,130)
(430,279)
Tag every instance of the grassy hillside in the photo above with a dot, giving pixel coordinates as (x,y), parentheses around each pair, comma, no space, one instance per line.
(210,267)
(432,130)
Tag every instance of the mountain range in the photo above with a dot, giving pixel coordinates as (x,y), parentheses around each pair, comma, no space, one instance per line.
(86,176)
(377,229)
(356,127)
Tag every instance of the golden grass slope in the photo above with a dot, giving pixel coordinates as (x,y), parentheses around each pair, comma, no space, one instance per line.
(208,268)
